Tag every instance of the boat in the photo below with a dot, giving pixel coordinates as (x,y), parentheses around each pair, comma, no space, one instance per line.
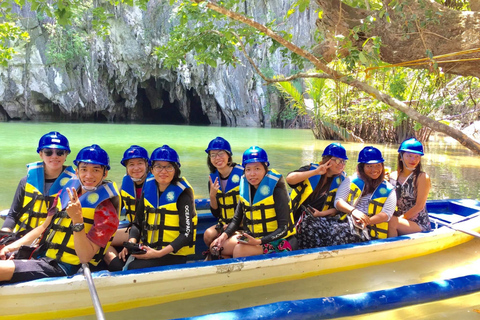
(362,267)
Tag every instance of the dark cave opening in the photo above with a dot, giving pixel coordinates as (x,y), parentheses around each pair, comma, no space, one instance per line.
(197,117)
(154,106)
(169,113)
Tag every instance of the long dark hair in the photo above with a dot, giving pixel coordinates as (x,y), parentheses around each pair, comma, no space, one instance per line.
(370,184)
(324,182)
(416,172)
(212,168)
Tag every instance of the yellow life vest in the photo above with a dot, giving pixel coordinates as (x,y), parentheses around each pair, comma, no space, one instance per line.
(227,199)
(129,198)
(162,222)
(375,206)
(305,189)
(59,239)
(260,218)
(36,202)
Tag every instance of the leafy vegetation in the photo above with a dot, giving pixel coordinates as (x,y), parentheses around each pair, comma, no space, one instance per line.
(340,93)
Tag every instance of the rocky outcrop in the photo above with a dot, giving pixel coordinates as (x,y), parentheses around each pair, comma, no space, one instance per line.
(120,80)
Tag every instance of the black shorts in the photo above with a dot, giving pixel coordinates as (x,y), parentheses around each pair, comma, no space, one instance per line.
(26,270)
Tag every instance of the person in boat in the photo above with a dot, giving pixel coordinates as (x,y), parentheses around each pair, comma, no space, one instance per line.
(136,162)
(412,187)
(165,219)
(79,226)
(223,186)
(264,210)
(316,184)
(366,200)
(36,191)
(313,193)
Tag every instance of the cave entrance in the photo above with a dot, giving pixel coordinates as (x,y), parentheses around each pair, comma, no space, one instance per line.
(154,105)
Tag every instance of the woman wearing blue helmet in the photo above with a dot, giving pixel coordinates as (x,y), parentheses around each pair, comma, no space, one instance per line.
(366,199)
(314,189)
(412,186)
(223,186)
(366,202)
(44,180)
(263,210)
(165,219)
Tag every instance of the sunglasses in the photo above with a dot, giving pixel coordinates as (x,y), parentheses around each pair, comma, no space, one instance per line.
(339,161)
(49,152)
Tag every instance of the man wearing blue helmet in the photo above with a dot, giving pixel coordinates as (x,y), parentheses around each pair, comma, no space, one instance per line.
(44,180)
(78,228)
(136,162)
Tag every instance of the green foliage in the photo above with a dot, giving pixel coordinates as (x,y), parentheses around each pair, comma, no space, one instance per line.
(10,36)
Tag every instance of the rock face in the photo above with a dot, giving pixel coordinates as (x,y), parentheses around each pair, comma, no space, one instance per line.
(120,79)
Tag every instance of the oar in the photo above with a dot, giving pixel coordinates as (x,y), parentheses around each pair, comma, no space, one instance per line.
(93,292)
(449,225)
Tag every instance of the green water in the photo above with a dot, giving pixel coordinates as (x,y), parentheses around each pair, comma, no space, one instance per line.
(454,170)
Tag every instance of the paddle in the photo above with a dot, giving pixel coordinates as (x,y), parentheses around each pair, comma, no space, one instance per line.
(449,225)
(93,292)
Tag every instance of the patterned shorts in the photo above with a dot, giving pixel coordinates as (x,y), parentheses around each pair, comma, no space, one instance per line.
(280,245)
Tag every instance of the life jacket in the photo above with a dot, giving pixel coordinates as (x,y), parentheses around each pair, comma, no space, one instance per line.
(129,198)
(305,189)
(162,223)
(375,206)
(227,199)
(35,202)
(259,216)
(59,239)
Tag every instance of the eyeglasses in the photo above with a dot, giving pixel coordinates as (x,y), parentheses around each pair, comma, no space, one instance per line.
(339,161)
(218,154)
(49,152)
(168,168)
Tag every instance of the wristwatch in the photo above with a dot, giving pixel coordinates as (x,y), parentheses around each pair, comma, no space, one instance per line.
(78,227)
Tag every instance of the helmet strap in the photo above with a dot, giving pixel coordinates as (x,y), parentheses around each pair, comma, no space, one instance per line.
(405,164)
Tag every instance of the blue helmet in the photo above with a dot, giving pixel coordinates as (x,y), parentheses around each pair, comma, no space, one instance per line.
(254,154)
(53,140)
(370,155)
(165,153)
(335,150)
(219,144)
(411,145)
(134,152)
(93,154)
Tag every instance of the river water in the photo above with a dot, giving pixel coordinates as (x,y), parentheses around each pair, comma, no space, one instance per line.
(454,170)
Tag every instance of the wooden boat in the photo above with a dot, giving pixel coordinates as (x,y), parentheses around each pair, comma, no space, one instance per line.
(317,268)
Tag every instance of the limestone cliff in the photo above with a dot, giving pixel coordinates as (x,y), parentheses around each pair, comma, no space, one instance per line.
(120,80)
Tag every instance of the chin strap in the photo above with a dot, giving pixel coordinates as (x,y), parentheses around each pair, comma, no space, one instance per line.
(405,165)
(141,178)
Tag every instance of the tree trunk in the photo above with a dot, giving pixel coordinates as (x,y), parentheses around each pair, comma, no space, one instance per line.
(332,74)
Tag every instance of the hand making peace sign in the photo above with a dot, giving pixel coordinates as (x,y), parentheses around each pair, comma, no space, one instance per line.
(74,207)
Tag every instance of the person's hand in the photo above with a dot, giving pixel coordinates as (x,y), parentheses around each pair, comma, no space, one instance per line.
(251,241)
(3,253)
(122,255)
(361,217)
(219,241)
(74,207)
(214,186)
(149,254)
(323,168)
